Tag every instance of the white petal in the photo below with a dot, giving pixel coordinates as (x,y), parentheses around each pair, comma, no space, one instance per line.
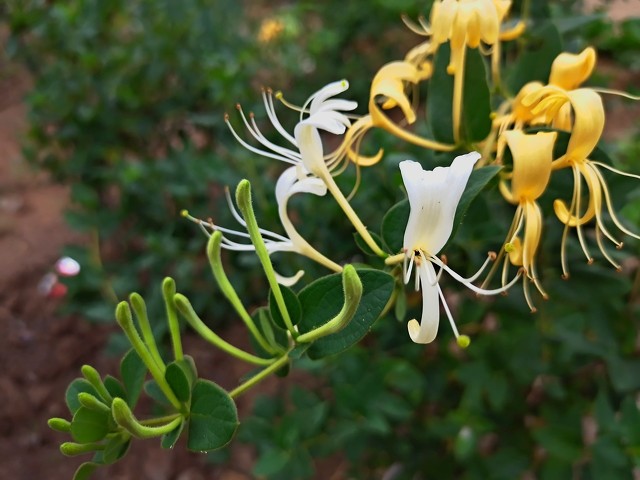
(289,281)
(310,145)
(288,185)
(427,329)
(433,198)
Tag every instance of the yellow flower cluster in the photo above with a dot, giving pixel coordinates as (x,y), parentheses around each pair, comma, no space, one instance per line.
(527,124)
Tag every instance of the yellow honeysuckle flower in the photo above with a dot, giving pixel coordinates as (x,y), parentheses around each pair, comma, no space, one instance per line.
(388,90)
(464,23)
(532,159)
(582,112)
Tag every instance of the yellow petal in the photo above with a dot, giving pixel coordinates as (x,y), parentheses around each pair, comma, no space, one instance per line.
(588,123)
(569,70)
(532,157)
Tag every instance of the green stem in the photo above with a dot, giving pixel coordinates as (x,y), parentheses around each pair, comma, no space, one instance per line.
(123,317)
(125,418)
(243,198)
(352,294)
(168,292)
(93,377)
(140,309)
(274,367)
(214,248)
(185,308)
(350,212)
(150,422)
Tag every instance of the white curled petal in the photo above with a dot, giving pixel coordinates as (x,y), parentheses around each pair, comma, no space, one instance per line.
(328,91)
(337,105)
(329,121)
(289,281)
(427,329)
(288,185)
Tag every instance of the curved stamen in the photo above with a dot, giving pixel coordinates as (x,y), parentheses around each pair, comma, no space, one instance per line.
(578,186)
(470,285)
(448,313)
(253,149)
(612,213)
(285,152)
(604,251)
(271,113)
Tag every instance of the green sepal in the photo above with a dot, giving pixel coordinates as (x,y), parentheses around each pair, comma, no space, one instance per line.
(323,299)
(89,425)
(293,307)
(213,417)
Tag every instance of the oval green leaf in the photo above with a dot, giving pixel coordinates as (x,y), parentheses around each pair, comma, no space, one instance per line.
(293,307)
(75,387)
(179,379)
(89,425)
(213,419)
(133,372)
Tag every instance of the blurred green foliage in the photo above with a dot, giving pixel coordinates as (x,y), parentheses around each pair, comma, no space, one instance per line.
(127,108)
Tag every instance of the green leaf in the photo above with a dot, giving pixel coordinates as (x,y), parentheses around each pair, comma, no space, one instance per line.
(299,350)
(276,337)
(394,224)
(75,387)
(543,46)
(152,389)
(271,462)
(133,372)
(476,98)
(85,471)
(395,220)
(114,387)
(89,425)
(323,299)
(213,418)
(293,307)
(170,439)
(440,97)
(116,448)
(180,378)
(478,181)
(362,245)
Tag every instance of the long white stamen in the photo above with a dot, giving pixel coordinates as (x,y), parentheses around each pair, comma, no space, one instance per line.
(240,220)
(253,149)
(448,312)
(407,272)
(271,113)
(258,135)
(470,285)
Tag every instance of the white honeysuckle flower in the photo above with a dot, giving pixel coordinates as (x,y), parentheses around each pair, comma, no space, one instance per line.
(288,185)
(320,112)
(433,199)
